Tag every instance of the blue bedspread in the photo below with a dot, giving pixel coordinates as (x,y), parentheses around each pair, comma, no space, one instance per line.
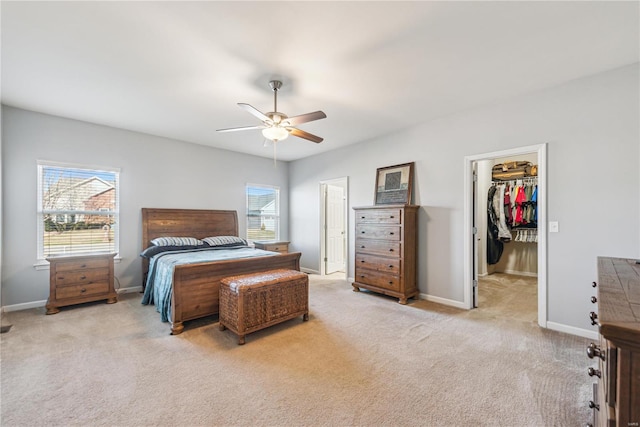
(159,286)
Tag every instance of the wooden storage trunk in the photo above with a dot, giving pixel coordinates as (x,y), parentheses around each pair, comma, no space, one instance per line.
(255,301)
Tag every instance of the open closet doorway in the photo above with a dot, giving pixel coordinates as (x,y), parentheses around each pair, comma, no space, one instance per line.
(510,269)
(333,226)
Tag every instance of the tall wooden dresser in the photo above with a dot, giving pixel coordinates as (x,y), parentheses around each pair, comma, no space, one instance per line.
(616,400)
(77,279)
(386,250)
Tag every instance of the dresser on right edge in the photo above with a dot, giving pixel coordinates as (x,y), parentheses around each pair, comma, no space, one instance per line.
(616,395)
(386,250)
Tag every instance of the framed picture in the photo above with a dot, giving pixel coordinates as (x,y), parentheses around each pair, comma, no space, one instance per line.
(393,185)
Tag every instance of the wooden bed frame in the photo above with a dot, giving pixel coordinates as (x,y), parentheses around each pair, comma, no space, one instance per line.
(196,287)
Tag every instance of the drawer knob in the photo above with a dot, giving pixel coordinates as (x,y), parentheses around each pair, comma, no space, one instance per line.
(594,405)
(594,299)
(83,266)
(594,351)
(362,247)
(593,316)
(361,260)
(362,231)
(391,217)
(362,276)
(362,217)
(83,277)
(391,233)
(594,284)
(391,250)
(593,371)
(390,282)
(390,265)
(83,290)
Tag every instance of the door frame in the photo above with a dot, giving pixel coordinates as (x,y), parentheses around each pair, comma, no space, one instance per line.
(342,182)
(470,255)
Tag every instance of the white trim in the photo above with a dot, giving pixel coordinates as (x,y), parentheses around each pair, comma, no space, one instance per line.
(541,149)
(444,301)
(573,330)
(309,271)
(24,306)
(131,290)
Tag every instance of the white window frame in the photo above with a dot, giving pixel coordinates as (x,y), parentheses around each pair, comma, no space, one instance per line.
(276,215)
(41,262)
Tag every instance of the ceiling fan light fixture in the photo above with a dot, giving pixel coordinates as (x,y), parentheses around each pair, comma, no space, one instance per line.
(275,133)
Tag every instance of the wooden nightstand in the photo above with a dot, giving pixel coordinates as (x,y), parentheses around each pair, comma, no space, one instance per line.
(80,278)
(282,247)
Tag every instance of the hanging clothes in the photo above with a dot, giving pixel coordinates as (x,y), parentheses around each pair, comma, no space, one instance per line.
(504,233)
(495,247)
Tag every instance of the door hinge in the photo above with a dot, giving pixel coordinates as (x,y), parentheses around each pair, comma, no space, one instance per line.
(474,230)
(475,283)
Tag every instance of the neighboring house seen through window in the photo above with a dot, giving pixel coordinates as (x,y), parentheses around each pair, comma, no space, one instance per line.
(263,212)
(78,209)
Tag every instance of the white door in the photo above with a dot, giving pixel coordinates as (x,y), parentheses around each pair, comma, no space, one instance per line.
(335,235)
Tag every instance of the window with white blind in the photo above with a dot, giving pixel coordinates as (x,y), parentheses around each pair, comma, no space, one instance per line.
(263,212)
(78,209)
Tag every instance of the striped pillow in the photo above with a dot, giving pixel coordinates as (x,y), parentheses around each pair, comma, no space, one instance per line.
(176,241)
(225,241)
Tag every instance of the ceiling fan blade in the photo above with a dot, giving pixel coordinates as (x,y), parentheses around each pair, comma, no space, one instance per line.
(305,135)
(240,128)
(304,118)
(252,110)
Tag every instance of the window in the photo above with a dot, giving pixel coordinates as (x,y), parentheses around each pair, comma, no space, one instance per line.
(78,209)
(263,212)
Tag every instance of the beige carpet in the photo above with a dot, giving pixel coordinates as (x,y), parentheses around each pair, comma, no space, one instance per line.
(361,360)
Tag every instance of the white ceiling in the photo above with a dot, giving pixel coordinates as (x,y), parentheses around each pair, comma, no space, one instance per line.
(177,69)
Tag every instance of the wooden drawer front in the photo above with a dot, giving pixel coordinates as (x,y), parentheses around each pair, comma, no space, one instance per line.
(276,248)
(82,290)
(370,262)
(380,247)
(79,277)
(377,278)
(378,232)
(82,264)
(379,216)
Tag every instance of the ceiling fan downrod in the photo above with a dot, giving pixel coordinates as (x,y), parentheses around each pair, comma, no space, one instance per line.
(275,86)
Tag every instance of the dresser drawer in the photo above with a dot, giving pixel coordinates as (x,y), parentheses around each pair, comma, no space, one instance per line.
(82,290)
(384,232)
(81,264)
(377,278)
(370,262)
(380,247)
(379,216)
(79,277)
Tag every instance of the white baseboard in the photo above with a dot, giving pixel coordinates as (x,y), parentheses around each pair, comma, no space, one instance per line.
(572,330)
(309,271)
(24,306)
(131,290)
(519,273)
(444,301)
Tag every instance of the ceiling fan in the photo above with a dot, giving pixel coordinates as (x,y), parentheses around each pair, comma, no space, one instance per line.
(277,126)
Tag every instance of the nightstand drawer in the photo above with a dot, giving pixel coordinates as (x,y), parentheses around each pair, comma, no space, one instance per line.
(83,264)
(82,290)
(282,247)
(79,277)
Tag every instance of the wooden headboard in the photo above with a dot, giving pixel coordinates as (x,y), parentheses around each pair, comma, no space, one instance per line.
(198,223)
